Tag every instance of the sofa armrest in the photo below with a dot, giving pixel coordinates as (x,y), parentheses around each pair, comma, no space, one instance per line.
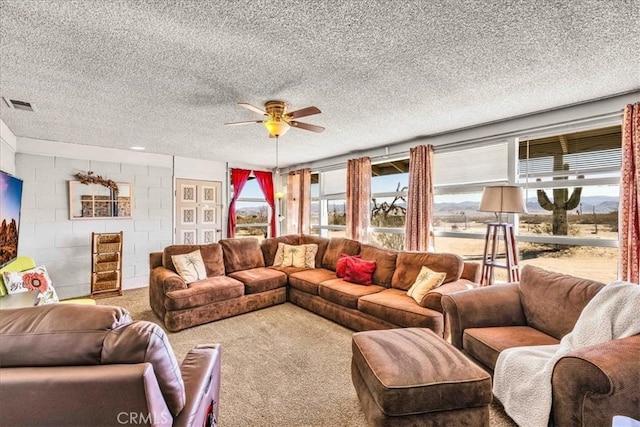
(201,375)
(166,279)
(592,384)
(497,305)
(155,260)
(471,271)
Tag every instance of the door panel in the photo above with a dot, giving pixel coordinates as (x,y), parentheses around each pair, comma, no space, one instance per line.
(198,211)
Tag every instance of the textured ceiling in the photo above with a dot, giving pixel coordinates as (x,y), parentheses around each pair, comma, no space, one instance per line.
(166,75)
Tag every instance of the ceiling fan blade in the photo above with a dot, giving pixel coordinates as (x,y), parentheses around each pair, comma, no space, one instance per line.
(309,111)
(243,123)
(252,108)
(306,126)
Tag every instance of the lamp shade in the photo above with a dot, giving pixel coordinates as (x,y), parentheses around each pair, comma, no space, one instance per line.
(276,127)
(503,198)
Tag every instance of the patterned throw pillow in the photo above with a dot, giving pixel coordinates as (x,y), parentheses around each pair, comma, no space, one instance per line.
(359,271)
(190,266)
(29,280)
(293,256)
(277,261)
(311,250)
(427,280)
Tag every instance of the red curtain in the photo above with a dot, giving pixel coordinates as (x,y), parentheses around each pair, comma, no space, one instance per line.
(239,178)
(265,181)
(420,199)
(629,211)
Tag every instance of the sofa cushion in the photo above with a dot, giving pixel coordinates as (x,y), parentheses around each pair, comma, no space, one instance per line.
(359,271)
(269,246)
(210,290)
(485,344)
(308,280)
(322,243)
(385,263)
(241,254)
(211,255)
(338,246)
(552,302)
(408,265)
(345,293)
(395,306)
(288,270)
(141,342)
(57,334)
(260,279)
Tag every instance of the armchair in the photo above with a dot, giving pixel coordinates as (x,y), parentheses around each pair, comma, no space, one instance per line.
(79,365)
(589,385)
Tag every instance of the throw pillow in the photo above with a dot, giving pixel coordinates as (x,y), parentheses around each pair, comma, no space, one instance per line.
(311,250)
(190,266)
(341,264)
(359,271)
(277,261)
(29,280)
(427,280)
(293,256)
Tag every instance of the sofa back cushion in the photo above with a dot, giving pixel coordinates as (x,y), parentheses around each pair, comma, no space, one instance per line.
(241,254)
(336,247)
(409,264)
(146,342)
(322,243)
(269,246)
(211,255)
(552,302)
(385,263)
(57,334)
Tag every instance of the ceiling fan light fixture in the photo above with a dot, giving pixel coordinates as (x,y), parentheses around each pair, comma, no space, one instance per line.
(276,127)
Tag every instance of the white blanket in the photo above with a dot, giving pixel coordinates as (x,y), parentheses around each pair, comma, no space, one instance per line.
(522,376)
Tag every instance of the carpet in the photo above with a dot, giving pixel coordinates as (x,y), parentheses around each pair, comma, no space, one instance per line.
(281,365)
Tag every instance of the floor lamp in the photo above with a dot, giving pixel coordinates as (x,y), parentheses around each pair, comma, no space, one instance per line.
(501,199)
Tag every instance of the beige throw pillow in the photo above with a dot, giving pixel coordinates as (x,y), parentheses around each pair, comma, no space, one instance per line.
(190,266)
(427,280)
(277,261)
(311,250)
(293,256)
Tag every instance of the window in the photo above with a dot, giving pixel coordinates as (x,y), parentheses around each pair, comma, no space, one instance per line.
(389,182)
(252,212)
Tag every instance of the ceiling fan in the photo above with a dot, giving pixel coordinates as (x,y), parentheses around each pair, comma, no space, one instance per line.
(277,120)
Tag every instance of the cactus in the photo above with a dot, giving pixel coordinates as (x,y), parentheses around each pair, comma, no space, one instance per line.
(560,205)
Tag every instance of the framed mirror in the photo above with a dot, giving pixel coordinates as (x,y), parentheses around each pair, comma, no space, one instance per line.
(95,201)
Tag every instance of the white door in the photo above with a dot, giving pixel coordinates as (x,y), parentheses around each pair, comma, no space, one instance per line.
(198,212)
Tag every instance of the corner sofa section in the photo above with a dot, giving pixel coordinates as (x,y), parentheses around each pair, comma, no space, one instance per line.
(241,277)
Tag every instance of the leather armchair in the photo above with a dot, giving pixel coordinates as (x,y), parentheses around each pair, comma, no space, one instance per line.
(78,365)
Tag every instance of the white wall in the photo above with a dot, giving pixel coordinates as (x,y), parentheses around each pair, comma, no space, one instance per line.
(63,245)
(7,149)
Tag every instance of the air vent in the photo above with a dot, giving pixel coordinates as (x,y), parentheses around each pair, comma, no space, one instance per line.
(18,105)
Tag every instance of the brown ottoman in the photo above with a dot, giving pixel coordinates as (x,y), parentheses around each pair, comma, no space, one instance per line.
(412,376)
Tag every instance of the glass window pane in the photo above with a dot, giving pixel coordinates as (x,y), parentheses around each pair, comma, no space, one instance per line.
(314,216)
(252,212)
(337,212)
(593,215)
(388,211)
(459,213)
(590,262)
(387,240)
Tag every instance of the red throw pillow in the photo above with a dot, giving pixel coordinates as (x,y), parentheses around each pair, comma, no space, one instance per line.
(341,264)
(359,271)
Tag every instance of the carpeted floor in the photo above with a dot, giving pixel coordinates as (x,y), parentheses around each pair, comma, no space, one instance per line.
(281,366)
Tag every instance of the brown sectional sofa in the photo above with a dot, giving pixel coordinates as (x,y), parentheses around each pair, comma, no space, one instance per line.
(241,278)
(590,385)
